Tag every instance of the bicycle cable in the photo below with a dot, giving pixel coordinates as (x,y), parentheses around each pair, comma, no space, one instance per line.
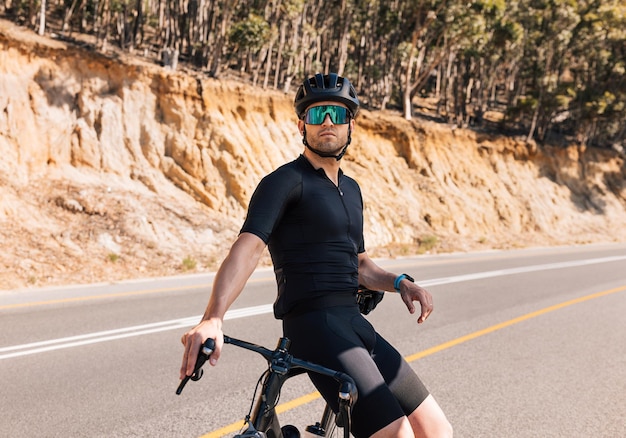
(256,389)
(269,408)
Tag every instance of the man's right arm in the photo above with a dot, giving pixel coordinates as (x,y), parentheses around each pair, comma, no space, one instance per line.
(230,280)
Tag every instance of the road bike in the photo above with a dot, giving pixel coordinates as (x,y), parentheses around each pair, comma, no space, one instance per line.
(262,421)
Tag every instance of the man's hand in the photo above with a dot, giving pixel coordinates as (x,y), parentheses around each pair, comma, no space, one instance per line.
(193,340)
(411,292)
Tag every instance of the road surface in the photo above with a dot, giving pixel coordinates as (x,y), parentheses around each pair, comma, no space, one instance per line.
(524,343)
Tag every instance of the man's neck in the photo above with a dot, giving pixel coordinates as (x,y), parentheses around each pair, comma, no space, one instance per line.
(329,164)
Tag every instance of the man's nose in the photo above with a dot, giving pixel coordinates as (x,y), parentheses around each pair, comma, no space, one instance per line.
(327,121)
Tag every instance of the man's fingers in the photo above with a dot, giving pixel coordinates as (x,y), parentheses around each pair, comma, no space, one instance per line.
(215,355)
(183,366)
(408,302)
(217,352)
(192,347)
(426,311)
(193,341)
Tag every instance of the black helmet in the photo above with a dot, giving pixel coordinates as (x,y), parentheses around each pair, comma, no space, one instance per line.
(326,87)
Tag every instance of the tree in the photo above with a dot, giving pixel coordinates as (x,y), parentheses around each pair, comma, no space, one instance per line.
(42,18)
(553,67)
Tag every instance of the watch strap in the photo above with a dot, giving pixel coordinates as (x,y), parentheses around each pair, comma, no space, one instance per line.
(399,278)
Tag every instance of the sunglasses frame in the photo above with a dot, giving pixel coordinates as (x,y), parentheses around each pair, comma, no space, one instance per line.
(331,111)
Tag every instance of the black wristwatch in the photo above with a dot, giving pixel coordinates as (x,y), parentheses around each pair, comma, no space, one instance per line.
(399,278)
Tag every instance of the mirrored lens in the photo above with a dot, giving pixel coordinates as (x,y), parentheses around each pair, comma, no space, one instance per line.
(316,115)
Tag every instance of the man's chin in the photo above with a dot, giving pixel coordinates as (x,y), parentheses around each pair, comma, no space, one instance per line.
(331,149)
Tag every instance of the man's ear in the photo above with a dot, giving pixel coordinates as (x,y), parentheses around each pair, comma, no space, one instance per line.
(301,126)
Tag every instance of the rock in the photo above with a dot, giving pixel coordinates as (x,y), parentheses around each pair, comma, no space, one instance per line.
(103,158)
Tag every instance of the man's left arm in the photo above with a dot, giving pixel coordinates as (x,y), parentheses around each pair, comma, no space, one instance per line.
(374,277)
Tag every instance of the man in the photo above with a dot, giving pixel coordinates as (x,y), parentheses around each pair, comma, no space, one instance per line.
(311,217)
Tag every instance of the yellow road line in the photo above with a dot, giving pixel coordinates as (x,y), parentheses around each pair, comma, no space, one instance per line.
(235,427)
(508,323)
(98,297)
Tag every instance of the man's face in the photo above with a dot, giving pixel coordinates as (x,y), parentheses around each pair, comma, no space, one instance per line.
(328,137)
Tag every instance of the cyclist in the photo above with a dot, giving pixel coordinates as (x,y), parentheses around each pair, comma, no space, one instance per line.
(310,215)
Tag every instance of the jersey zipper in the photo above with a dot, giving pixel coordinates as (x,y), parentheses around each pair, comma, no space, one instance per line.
(340,192)
(345,208)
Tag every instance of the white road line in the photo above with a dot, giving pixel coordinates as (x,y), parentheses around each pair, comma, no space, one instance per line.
(127,332)
(524,269)
(177,324)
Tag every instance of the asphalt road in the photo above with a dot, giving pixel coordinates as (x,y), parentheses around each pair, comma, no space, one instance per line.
(526,343)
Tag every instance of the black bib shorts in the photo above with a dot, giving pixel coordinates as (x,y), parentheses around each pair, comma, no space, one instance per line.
(341,338)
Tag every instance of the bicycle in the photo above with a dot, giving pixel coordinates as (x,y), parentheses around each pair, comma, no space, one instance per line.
(262,421)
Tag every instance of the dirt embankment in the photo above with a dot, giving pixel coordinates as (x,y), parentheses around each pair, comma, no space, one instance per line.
(112,169)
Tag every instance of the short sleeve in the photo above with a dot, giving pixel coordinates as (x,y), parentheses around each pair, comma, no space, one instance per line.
(270,200)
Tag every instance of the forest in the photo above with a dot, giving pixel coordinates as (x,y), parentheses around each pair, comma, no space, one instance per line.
(550,70)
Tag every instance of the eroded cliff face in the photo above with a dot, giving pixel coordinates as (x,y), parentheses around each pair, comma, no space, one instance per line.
(113,169)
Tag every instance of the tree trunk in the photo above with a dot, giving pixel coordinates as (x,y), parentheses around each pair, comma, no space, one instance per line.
(42,18)
(268,64)
(137,24)
(279,52)
(533,124)
(344,40)
(68,15)
(406,92)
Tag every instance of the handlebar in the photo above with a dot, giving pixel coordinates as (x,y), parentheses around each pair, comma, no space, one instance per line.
(281,362)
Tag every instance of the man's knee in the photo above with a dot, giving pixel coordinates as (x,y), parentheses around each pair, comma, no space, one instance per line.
(401,428)
(428,420)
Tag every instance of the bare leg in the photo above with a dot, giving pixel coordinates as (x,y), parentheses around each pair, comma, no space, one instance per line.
(401,428)
(428,420)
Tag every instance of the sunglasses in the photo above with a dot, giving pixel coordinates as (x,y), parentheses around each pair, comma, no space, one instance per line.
(339,115)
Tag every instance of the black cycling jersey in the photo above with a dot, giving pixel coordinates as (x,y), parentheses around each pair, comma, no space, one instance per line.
(314,232)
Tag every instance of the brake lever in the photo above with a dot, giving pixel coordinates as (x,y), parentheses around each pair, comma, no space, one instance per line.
(203,355)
